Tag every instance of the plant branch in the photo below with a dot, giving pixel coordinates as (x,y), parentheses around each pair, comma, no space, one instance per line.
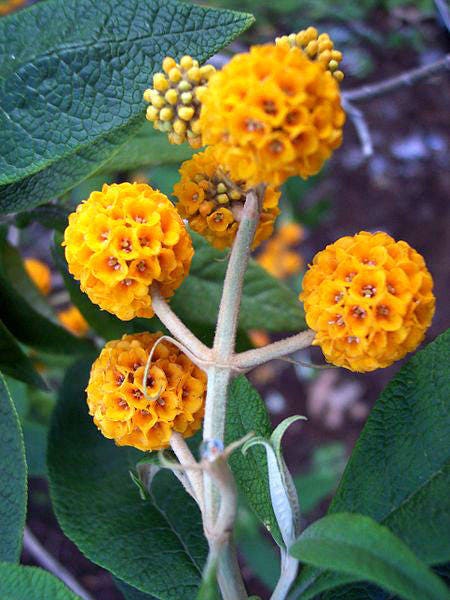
(232,288)
(176,327)
(48,562)
(253,358)
(361,126)
(406,79)
(194,476)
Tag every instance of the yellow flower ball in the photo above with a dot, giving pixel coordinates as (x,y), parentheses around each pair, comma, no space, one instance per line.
(369,299)
(116,392)
(73,321)
(212,201)
(175,99)
(120,241)
(316,46)
(40,274)
(274,113)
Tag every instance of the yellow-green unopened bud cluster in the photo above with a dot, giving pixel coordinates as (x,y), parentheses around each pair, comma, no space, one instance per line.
(175,99)
(316,47)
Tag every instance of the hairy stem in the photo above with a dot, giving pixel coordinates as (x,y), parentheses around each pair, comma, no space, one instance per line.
(219,377)
(194,476)
(253,358)
(232,288)
(176,327)
(289,570)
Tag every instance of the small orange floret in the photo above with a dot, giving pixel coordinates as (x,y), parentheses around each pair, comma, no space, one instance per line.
(369,299)
(273,113)
(40,274)
(212,201)
(116,393)
(123,239)
(73,321)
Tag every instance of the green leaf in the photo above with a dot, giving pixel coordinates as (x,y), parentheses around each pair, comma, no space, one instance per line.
(247,412)
(30,583)
(156,545)
(198,297)
(131,593)
(358,545)
(13,488)
(400,467)
(25,312)
(148,148)
(14,361)
(74,96)
(35,438)
(399,471)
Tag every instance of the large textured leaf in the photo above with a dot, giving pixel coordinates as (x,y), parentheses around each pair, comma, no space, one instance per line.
(399,471)
(131,593)
(13,487)
(74,95)
(30,583)
(199,296)
(358,545)
(148,148)
(155,545)
(247,412)
(14,361)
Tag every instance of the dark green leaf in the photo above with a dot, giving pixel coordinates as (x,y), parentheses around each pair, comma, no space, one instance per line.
(358,545)
(148,148)
(247,412)
(400,467)
(198,297)
(30,583)
(156,545)
(35,438)
(399,471)
(13,488)
(25,312)
(51,216)
(131,593)
(14,361)
(74,96)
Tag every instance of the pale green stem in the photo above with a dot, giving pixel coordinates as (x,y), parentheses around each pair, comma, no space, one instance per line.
(253,358)
(219,377)
(289,570)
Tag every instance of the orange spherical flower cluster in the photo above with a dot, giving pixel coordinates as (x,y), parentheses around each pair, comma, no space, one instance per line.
(316,47)
(278,258)
(274,113)
(73,321)
(8,6)
(175,99)
(40,274)
(122,240)
(212,201)
(144,415)
(370,300)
